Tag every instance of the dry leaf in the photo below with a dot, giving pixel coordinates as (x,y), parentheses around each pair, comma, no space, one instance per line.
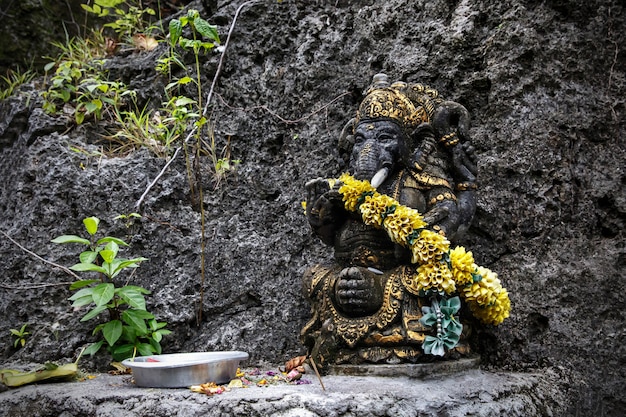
(119,369)
(110,46)
(295,363)
(144,43)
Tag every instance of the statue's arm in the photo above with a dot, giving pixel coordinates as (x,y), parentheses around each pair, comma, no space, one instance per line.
(324,209)
(443,211)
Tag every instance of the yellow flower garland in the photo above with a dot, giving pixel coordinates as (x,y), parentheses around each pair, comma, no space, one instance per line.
(480,287)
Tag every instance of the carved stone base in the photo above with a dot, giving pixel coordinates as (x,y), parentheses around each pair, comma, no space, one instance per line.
(420,370)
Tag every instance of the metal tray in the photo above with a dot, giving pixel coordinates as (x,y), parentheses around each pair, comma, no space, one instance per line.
(185,369)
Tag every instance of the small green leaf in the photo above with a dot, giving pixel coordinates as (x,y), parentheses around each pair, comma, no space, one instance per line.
(91,224)
(93,348)
(82,301)
(88,257)
(82,293)
(156,346)
(108,239)
(183,101)
(98,329)
(122,352)
(136,288)
(93,313)
(176,29)
(103,293)
(133,298)
(82,267)
(108,255)
(136,320)
(145,349)
(70,239)
(91,107)
(205,29)
(130,263)
(112,331)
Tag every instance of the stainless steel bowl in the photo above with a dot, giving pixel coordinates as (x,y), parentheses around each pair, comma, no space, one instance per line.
(185,369)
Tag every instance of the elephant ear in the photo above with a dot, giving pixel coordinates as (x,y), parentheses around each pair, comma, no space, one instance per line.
(423,143)
(346,139)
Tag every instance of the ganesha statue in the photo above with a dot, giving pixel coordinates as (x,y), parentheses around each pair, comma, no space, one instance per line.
(396,287)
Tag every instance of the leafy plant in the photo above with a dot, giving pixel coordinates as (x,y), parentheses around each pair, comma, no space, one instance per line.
(130,327)
(20,335)
(12,80)
(130,16)
(129,219)
(79,83)
(200,29)
(222,164)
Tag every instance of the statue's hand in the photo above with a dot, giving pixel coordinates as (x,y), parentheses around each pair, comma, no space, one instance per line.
(359,291)
(324,209)
(450,117)
(464,163)
(436,215)
(321,202)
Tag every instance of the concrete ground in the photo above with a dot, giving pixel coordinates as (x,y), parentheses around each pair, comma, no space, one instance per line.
(472,392)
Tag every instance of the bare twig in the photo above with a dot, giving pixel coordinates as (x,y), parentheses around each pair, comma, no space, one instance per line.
(33,254)
(317,372)
(33,286)
(282,119)
(206,105)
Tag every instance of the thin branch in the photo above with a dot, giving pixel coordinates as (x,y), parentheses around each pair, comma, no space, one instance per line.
(282,119)
(317,372)
(206,105)
(34,286)
(33,254)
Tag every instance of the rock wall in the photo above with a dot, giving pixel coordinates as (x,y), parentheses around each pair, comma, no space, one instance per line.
(544,82)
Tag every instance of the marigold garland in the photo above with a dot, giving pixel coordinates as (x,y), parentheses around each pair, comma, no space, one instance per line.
(440,269)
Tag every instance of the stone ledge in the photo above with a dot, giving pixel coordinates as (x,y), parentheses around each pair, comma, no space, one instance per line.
(419,370)
(472,392)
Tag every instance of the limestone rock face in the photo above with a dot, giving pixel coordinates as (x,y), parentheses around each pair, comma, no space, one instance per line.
(543,81)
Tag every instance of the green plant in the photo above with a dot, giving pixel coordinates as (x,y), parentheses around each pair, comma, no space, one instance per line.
(141,128)
(200,29)
(20,335)
(129,219)
(130,328)
(130,16)
(222,164)
(12,80)
(79,83)
(148,128)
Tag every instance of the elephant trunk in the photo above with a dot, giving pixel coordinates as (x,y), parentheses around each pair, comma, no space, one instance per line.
(373,164)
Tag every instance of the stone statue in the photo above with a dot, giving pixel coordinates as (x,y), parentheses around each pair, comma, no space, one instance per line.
(390,294)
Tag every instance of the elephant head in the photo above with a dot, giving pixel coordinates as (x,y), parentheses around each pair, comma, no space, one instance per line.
(378,147)
(381,136)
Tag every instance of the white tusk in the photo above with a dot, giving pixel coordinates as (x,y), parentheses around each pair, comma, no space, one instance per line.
(379,177)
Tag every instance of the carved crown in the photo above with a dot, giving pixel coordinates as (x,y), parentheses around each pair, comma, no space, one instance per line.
(389,102)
